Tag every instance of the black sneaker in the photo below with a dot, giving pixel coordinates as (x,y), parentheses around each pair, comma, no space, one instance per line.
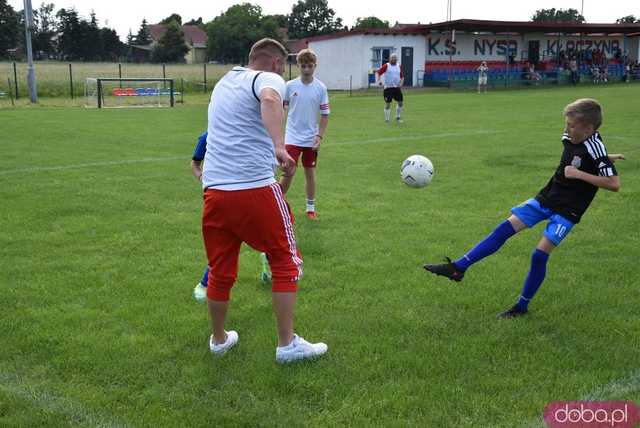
(446,269)
(514,312)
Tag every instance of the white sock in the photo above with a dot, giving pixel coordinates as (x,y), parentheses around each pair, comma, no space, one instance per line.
(311,205)
(387,114)
(398,111)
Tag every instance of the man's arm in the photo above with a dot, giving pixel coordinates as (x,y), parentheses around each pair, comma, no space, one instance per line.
(379,74)
(272,115)
(196,169)
(610,183)
(324,121)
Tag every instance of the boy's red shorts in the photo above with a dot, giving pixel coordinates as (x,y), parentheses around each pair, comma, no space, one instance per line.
(261,218)
(309,156)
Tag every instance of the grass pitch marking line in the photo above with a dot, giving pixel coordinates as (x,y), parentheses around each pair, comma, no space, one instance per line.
(47,401)
(419,137)
(91,165)
(618,389)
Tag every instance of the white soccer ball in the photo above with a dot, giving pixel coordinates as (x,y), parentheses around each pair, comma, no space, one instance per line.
(416,171)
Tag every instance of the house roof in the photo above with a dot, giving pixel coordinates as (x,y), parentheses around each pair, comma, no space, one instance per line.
(532,27)
(417,29)
(471,25)
(193,35)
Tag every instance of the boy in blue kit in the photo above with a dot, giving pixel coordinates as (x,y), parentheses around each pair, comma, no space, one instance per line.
(584,168)
(200,290)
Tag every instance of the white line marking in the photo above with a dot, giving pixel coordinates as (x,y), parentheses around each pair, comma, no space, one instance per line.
(91,165)
(47,401)
(417,137)
(619,389)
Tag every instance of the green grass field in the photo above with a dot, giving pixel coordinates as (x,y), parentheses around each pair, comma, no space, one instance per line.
(100,247)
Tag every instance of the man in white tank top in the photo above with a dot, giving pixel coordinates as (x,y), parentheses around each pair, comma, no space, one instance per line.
(391,75)
(242,200)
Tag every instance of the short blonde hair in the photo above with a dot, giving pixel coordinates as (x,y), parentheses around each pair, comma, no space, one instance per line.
(267,47)
(585,110)
(306,56)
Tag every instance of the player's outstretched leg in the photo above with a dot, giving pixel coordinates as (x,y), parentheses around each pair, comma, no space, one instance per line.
(387,112)
(535,277)
(200,290)
(455,270)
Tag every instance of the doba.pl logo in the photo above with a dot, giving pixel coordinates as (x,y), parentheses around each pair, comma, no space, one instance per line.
(592,414)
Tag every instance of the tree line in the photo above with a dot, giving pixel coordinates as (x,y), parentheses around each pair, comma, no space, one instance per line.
(65,35)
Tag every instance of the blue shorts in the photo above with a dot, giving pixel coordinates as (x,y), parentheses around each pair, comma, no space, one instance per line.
(531,213)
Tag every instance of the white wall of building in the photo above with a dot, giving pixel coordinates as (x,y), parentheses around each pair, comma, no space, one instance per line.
(343,58)
(338,59)
(478,47)
(348,57)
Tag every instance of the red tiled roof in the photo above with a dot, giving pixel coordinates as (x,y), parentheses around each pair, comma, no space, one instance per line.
(491,26)
(530,27)
(193,35)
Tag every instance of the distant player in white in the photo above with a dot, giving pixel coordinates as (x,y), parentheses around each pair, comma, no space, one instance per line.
(306,99)
(482,76)
(391,76)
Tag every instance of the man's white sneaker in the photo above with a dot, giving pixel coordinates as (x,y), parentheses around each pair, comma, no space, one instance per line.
(222,348)
(200,293)
(299,349)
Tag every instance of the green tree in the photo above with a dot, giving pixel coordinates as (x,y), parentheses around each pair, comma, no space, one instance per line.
(45,29)
(370,22)
(92,42)
(143,37)
(231,35)
(171,46)
(557,15)
(174,17)
(282,21)
(311,18)
(112,47)
(69,34)
(9,28)
(629,19)
(197,22)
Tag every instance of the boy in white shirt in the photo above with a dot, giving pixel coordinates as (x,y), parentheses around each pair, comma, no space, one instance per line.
(306,99)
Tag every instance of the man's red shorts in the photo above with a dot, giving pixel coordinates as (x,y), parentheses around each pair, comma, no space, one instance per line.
(309,156)
(259,217)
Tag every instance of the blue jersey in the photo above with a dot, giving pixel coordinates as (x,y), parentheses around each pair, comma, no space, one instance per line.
(201,148)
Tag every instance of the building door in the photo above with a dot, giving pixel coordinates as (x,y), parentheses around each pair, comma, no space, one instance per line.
(407,65)
(534,51)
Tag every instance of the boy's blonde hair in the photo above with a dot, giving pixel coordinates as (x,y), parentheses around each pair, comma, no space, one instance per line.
(585,110)
(268,48)
(307,56)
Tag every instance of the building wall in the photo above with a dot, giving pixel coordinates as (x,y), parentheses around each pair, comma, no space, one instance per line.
(338,59)
(478,47)
(351,57)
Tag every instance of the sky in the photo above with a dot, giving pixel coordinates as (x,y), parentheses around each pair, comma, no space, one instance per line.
(123,15)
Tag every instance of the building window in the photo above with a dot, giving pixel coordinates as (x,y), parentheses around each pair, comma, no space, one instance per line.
(380,56)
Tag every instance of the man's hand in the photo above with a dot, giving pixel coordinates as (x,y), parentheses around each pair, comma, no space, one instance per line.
(616,157)
(316,143)
(286,162)
(572,172)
